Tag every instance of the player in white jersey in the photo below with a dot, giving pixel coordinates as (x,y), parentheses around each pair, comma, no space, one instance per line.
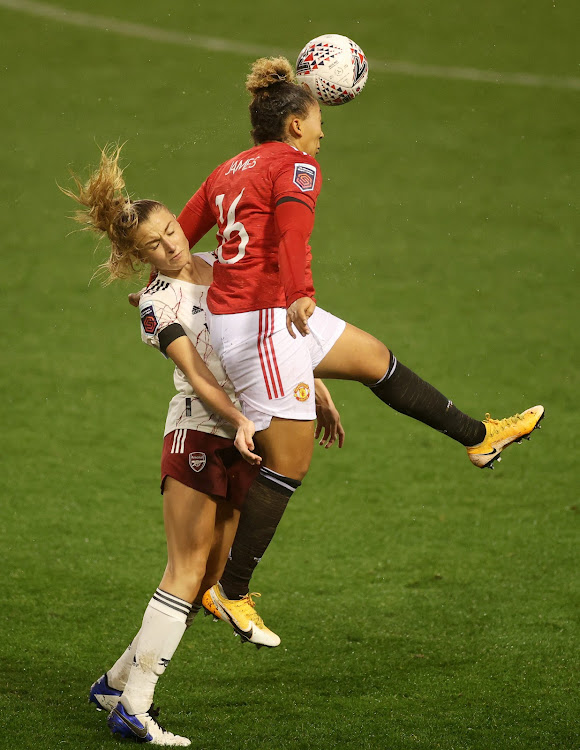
(168,307)
(204,478)
(198,447)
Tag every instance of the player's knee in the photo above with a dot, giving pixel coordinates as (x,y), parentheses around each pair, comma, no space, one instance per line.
(291,467)
(187,575)
(300,472)
(378,362)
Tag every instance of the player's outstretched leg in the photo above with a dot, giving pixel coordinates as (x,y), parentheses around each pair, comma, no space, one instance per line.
(406,392)
(503,432)
(357,355)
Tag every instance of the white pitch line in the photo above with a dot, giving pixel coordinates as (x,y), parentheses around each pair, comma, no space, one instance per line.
(214,44)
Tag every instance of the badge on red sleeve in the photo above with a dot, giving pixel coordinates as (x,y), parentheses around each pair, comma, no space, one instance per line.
(304,177)
(149,320)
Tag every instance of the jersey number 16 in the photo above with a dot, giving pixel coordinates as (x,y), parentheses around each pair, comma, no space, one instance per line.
(230,228)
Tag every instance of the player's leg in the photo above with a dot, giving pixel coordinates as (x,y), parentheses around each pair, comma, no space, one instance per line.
(177,446)
(286,448)
(357,355)
(239,613)
(272,374)
(189,517)
(226,523)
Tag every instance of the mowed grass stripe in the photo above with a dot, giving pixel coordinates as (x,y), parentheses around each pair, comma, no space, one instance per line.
(216,44)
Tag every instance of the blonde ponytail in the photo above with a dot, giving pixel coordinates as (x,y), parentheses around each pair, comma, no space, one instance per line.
(109,211)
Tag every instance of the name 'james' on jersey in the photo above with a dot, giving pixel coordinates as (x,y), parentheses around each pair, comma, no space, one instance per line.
(240,196)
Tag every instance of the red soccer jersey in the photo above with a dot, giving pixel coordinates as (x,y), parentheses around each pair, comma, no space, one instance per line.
(240,196)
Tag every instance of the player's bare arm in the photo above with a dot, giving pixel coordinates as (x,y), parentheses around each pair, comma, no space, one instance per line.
(327,417)
(203,382)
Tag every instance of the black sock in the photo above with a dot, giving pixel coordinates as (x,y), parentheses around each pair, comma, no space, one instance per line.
(260,516)
(193,612)
(404,391)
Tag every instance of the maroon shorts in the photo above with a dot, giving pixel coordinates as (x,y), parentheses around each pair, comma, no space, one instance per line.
(208,464)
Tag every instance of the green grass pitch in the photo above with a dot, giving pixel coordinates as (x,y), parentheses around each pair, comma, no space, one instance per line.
(421,603)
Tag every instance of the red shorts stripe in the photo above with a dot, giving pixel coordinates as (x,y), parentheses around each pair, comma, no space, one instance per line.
(267,344)
(273,351)
(262,354)
(267,353)
(266,333)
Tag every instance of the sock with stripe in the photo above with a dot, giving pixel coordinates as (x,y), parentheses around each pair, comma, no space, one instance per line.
(407,393)
(259,519)
(118,675)
(162,629)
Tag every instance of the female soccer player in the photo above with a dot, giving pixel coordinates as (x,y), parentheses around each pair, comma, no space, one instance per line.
(204,477)
(263,202)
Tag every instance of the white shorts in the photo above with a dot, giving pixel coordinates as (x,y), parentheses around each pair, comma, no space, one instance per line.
(272,372)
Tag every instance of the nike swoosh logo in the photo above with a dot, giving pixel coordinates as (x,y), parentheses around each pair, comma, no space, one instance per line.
(140,732)
(246,633)
(491,453)
(225,614)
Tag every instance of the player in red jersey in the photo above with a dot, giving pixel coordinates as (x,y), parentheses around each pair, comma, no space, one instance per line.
(263,203)
(247,197)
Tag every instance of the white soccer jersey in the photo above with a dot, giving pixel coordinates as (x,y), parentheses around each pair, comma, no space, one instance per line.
(167,301)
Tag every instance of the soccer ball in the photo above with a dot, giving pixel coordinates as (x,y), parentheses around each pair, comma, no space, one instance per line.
(334,68)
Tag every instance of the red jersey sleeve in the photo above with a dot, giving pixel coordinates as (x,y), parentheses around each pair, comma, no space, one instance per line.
(296,185)
(294,221)
(197,217)
(297,175)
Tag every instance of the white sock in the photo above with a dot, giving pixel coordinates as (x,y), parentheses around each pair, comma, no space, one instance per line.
(118,675)
(162,629)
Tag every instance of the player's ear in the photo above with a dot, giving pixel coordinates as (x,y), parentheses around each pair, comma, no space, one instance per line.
(295,126)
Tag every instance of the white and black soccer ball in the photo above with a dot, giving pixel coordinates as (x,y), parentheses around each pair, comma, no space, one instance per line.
(334,68)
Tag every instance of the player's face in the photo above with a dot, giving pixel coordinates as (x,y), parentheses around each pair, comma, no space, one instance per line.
(311,131)
(162,243)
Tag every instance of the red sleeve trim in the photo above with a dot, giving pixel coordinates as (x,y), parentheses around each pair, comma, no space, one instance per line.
(292,198)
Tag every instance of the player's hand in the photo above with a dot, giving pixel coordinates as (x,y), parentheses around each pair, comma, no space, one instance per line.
(245,444)
(328,419)
(297,315)
(134,297)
